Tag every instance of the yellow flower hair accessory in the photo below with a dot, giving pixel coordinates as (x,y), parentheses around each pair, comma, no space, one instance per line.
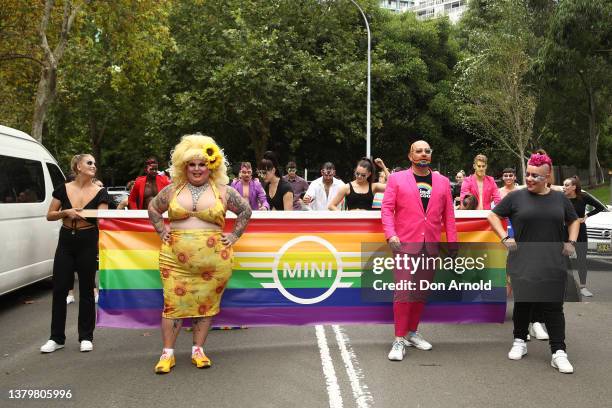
(212,156)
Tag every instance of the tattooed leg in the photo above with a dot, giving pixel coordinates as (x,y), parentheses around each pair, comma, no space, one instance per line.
(201,325)
(170,331)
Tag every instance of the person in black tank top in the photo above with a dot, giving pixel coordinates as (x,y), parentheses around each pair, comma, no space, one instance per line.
(359,193)
(573,191)
(269,172)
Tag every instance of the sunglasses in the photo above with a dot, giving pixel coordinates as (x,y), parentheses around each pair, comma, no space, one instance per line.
(90,163)
(358,174)
(262,173)
(327,172)
(291,169)
(508,176)
(535,176)
(421,150)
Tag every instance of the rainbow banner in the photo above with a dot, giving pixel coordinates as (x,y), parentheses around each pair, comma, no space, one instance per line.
(322,286)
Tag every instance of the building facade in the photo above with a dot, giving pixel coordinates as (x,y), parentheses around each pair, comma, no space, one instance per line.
(425,9)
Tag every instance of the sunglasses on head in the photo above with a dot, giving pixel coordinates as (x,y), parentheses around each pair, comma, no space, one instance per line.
(421,150)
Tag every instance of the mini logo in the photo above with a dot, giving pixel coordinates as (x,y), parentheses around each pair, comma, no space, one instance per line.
(312,257)
(606,233)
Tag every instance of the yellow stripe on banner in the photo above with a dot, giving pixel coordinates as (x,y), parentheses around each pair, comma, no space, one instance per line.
(129,240)
(477,236)
(129,259)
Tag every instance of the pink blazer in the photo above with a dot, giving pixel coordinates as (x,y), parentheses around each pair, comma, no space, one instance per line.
(489,190)
(402,210)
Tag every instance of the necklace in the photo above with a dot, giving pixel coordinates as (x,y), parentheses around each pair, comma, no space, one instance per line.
(196,192)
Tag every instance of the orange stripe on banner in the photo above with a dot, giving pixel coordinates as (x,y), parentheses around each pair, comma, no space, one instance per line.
(129,240)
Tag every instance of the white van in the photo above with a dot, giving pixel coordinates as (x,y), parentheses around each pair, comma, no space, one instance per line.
(28,176)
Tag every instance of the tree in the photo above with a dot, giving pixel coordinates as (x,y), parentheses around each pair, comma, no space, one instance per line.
(495,98)
(576,60)
(47,84)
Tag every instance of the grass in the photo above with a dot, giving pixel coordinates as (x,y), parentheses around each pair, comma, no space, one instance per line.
(602,193)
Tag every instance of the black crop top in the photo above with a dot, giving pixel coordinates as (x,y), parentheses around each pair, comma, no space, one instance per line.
(102,197)
(359,201)
(282,189)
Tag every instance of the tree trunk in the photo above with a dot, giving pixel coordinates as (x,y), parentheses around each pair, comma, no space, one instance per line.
(260,137)
(44,96)
(523,169)
(96,134)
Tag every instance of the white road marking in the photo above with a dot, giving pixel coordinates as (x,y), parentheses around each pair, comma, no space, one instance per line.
(362,395)
(333,390)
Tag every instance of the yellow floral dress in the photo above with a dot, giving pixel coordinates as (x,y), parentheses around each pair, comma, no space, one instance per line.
(194,265)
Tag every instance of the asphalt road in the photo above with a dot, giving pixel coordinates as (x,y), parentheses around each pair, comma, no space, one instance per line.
(309,367)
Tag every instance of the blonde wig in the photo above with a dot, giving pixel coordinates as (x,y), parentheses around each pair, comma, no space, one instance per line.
(198,147)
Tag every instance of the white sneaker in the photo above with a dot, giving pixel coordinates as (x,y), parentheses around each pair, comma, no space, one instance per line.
(96,297)
(538,330)
(69,299)
(398,351)
(86,345)
(518,350)
(585,292)
(419,342)
(561,363)
(50,346)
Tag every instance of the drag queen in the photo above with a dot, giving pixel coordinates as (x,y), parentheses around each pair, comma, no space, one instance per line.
(195,259)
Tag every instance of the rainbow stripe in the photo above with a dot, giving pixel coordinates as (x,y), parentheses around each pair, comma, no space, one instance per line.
(131,294)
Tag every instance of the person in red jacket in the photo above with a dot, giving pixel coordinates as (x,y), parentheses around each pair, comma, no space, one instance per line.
(146,187)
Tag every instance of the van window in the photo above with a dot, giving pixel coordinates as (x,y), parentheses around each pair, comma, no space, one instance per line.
(57,178)
(21,180)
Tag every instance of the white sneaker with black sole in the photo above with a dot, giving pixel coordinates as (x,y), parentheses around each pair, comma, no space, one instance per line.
(50,346)
(560,362)
(398,351)
(518,350)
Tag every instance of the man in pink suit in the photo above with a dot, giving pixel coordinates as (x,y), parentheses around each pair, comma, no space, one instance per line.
(480,185)
(416,207)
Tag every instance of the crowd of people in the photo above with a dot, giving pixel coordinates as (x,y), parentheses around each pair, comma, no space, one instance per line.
(417,204)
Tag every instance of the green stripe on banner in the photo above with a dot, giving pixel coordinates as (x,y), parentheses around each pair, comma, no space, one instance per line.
(242,279)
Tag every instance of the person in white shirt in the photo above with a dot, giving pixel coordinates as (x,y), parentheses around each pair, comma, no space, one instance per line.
(322,190)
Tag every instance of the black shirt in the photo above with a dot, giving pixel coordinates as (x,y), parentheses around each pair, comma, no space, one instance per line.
(535,217)
(282,189)
(580,204)
(424,186)
(101,197)
(537,268)
(359,201)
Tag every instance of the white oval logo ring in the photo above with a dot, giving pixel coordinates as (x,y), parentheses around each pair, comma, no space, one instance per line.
(298,240)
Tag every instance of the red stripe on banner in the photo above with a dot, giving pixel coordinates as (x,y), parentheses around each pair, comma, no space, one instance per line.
(303,226)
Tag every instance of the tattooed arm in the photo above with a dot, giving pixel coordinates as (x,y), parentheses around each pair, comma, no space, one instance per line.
(157,207)
(242,209)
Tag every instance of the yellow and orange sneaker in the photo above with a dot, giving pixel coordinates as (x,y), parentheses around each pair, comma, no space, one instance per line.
(165,364)
(199,359)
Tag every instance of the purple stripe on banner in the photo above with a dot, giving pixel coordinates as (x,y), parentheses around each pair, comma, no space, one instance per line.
(296,316)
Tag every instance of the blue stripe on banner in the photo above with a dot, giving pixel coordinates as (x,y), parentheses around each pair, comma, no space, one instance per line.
(153,298)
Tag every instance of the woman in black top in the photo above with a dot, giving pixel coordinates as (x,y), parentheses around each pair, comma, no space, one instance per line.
(278,192)
(359,193)
(536,262)
(573,191)
(77,250)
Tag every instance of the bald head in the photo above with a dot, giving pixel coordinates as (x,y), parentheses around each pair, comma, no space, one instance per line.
(419,144)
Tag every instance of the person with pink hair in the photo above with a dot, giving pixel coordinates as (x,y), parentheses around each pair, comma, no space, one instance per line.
(537,262)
